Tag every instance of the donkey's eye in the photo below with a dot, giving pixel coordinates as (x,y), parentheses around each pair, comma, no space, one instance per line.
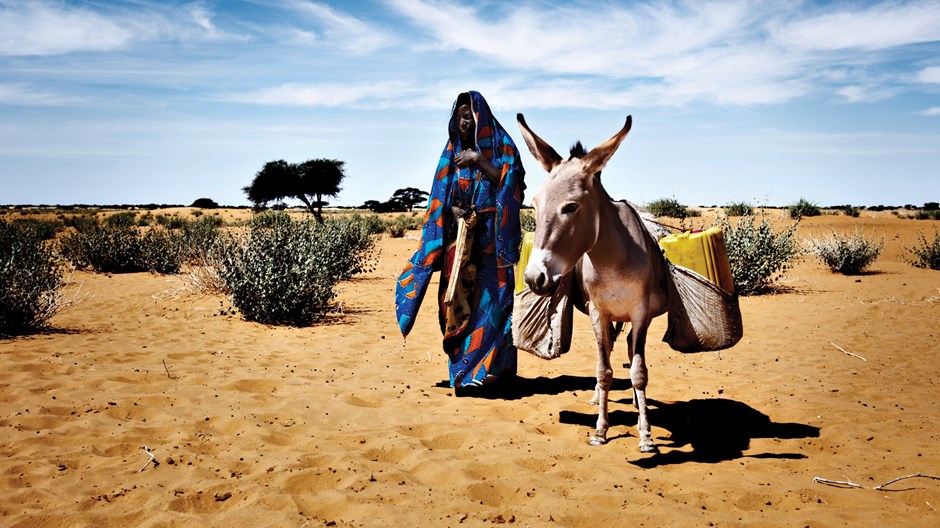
(569,208)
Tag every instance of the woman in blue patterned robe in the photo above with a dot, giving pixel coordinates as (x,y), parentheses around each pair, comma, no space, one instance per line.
(479,180)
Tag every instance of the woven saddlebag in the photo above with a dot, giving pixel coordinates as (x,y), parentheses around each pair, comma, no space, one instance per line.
(702,316)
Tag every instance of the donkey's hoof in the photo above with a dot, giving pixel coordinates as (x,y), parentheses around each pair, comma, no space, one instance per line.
(598,440)
(648,447)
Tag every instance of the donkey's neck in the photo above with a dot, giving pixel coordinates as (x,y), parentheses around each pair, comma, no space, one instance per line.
(621,238)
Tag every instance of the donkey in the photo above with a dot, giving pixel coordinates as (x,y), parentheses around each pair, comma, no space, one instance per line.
(622,271)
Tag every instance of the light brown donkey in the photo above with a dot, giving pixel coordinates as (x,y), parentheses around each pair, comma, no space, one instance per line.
(623,275)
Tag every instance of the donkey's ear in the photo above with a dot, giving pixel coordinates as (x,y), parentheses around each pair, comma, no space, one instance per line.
(595,160)
(542,151)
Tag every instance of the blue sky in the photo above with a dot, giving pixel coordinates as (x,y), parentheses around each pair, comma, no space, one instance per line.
(766,102)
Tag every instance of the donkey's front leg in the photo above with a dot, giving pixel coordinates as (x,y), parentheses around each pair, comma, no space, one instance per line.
(605,374)
(638,376)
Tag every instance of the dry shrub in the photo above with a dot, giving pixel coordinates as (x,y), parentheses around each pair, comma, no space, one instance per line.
(30,280)
(847,254)
(284,272)
(758,254)
(925,254)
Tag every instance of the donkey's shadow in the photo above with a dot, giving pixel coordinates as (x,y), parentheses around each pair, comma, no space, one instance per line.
(717,429)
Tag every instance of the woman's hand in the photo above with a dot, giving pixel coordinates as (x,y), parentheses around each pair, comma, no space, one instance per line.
(468,158)
(473,159)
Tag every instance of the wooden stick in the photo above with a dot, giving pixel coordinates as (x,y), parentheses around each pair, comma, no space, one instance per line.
(152,457)
(848,483)
(849,353)
(167,370)
(881,487)
(463,226)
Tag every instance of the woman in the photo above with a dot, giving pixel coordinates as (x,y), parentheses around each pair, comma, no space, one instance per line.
(473,220)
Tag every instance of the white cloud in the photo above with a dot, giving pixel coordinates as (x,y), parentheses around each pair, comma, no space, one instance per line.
(685,51)
(929,75)
(931,112)
(32,28)
(38,28)
(371,95)
(202,17)
(25,95)
(738,52)
(342,30)
(865,93)
(874,27)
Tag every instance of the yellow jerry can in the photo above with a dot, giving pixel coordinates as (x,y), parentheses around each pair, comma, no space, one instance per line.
(528,239)
(703,252)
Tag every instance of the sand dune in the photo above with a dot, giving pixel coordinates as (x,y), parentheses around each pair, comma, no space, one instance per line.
(346,424)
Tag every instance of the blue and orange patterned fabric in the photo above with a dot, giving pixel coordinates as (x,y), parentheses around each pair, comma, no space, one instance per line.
(482,344)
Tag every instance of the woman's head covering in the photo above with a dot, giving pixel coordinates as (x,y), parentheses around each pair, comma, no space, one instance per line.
(489,132)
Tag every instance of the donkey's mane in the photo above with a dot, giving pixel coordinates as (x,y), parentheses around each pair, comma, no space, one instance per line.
(577,150)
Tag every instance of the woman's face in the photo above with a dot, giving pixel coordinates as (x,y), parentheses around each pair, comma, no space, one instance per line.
(465,124)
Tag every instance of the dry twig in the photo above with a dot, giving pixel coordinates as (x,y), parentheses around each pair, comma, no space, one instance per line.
(152,459)
(846,352)
(882,487)
(849,484)
(845,483)
(167,370)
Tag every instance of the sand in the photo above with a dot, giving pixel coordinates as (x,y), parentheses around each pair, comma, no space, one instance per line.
(346,424)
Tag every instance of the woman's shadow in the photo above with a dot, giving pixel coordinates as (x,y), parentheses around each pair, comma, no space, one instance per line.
(717,429)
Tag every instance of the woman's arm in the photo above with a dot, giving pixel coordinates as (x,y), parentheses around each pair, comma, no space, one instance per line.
(472,158)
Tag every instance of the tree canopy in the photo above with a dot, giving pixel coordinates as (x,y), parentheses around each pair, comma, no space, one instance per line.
(401,200)
(410,197)
(309,182)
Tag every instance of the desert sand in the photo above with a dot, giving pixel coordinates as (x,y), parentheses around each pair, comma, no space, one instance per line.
(347,424)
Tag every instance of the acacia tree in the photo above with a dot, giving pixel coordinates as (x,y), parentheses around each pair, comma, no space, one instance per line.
(274,182)
(410,197)
(309,182)
(318,178)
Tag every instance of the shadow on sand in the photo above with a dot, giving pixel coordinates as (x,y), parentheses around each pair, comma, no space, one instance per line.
(717,429)
(517,388)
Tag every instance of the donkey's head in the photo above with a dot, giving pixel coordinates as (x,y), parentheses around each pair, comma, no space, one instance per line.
(566,207)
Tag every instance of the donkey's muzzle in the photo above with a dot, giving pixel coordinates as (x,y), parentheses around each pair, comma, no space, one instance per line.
(537,276)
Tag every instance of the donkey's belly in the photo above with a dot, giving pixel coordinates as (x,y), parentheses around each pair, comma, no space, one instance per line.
(622,298)
(622,302)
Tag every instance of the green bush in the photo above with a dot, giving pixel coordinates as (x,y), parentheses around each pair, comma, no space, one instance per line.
(285,272)
(145,220)
(925,254)
(349,245)
(803,208)
(199,237)
(739,209)
(671,208)
(372,223)
(171,221)
(125,219)
(272,218)
(43,229)
(757,254)
(83,222)
(395,230)
(527,220)
(111,249)
(849,210)
(402,223)
(30,278)
(925,214)
(846,254)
